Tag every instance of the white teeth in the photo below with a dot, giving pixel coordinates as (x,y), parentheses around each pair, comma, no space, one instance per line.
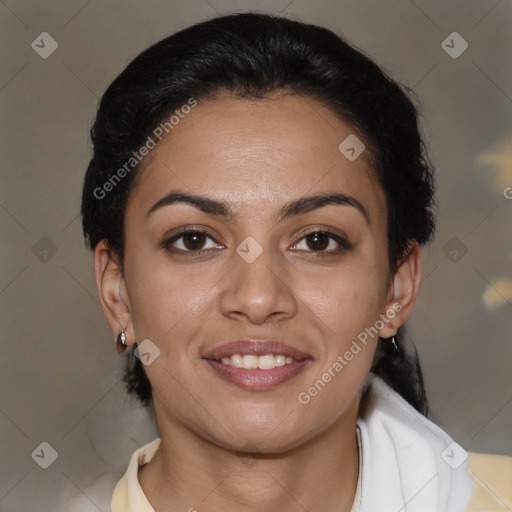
(251,362)
(266,362)
(236,361)
(280,360)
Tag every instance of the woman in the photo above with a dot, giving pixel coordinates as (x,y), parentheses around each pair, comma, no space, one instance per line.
(256,202)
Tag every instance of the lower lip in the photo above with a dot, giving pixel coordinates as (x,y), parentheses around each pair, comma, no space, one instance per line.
(257,379)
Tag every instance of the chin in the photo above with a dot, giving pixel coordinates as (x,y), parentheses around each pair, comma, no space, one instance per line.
(273,429)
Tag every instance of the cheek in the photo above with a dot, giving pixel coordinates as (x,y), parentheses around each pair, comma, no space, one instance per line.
(346,300)
(346,307)
(169,307)
(345,304)
(166,299)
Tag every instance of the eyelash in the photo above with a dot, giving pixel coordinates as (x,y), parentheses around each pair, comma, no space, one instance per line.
(343,244)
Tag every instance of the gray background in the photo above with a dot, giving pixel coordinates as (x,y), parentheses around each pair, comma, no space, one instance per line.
(59,372)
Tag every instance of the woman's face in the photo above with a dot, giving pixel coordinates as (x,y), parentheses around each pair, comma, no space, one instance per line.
(260,270)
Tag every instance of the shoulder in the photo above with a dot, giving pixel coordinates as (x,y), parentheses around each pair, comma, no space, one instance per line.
(492,477)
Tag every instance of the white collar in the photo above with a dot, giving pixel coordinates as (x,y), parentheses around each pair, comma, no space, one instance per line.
(409,463)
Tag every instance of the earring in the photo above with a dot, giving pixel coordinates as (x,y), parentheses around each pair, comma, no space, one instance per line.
(121,342)
(393,340)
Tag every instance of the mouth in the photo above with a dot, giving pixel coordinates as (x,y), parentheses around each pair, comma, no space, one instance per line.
(257,365)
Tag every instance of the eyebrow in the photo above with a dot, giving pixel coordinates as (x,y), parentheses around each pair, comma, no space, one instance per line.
(222,209)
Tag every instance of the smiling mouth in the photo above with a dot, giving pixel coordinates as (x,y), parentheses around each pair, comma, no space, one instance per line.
(257,365)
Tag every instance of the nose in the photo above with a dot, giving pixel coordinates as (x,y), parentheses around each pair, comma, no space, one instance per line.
(259,291)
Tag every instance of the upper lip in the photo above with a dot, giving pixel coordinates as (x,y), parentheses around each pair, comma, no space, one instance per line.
(256,348)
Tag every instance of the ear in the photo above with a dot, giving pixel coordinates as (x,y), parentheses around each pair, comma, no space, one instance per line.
(403,290)
(112,291)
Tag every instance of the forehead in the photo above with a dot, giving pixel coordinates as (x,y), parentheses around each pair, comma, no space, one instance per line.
(252,153)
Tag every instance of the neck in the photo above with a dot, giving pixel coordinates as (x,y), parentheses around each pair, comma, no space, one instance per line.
(189,473)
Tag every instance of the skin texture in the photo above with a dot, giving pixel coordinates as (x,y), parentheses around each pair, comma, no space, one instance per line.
(256,156)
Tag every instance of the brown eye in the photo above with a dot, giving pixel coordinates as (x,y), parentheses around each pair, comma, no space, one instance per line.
(194,240)
(317,241)
(190,241)
(322,242)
